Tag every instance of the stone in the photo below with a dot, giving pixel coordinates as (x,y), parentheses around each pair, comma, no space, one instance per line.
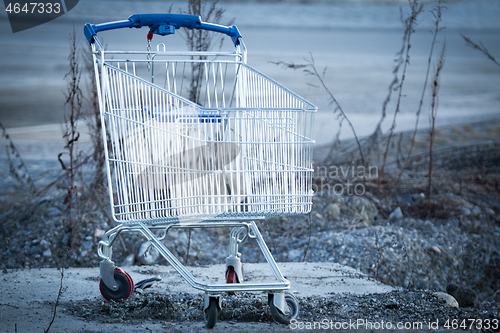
(352,244)
(47,253)
(128,261)
(44,244)
(464,211)
(148,253)
(396,214)
(422,285)
(418,197)
(36,250)
(332,210)
(294,254)
(65,239)
(436,249)
(465,296)
(357,203)
(490,212)
(475,211)
(407,198)
(86,246)
(54,211)
(450,300)
(99,233)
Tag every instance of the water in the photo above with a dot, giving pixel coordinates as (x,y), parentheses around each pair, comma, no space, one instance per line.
(294,14)
(359,15)
(356,40)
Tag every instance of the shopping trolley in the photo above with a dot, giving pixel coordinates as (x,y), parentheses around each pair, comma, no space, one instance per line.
(198,140)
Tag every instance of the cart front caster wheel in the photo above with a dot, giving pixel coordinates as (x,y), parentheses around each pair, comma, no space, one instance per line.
(125,287)
(291,309)
(211,313)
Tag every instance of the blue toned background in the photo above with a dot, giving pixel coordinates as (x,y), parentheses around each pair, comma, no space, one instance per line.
(356,39)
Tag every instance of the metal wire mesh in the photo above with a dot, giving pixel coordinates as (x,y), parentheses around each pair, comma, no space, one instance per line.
(203,139)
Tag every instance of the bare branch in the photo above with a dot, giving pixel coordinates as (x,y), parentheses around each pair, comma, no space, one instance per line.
(409,22)
(434,107)
(480,47)
(310,69)
(437,12)
(59,294)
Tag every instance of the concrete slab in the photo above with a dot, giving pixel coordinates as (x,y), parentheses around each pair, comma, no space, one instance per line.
(27,294)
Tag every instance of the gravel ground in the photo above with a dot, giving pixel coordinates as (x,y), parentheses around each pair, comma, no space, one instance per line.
(419,309)
(400,251)
(453,246)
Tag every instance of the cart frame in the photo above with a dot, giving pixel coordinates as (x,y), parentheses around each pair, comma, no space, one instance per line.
(241,222)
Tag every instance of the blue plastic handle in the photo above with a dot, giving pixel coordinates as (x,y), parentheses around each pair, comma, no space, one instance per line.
(161,24)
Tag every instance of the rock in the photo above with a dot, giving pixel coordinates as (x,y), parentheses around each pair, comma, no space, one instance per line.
(99,233)
(436,249)
(65,239)
(369,195)
(332,210)
(86,246)
(464,211)
(418,197)
(396,214)
(54,211)
(407,198)
(490,212)
(475,211)
(128,261)
(47,253)
(36,250)
(316,200)
(450,300)
(352,244)
(148,253)
(465,296)
(422,285)
(44,244)
(495,297)
(357,203)
(294,254)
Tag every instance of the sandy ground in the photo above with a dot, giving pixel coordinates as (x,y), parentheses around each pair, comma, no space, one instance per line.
(28,296)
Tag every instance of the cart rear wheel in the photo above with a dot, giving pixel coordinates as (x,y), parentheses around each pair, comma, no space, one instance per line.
(211,313)
(232,277)
(291,309)
(125,287)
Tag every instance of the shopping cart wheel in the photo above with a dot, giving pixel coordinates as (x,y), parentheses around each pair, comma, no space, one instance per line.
(232,277)
(291,309)
(125,287)
(211,313)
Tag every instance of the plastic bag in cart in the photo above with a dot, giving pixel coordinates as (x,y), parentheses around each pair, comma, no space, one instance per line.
(192,156)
